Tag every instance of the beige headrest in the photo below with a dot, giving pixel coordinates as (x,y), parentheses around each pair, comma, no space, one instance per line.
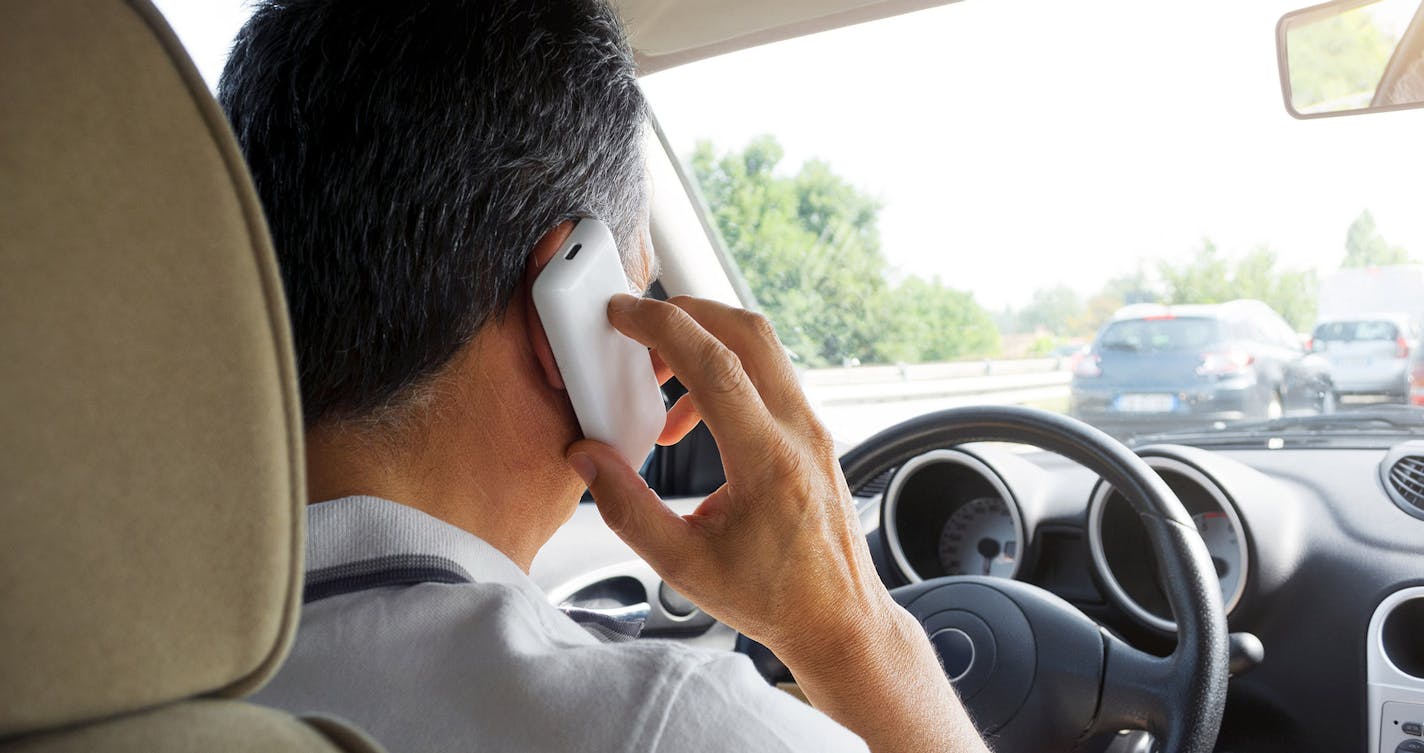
(150,449)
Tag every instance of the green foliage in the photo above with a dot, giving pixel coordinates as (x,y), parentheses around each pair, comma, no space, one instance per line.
(1042,345)
(1337,62)
(931,322)
(1292,293)
(1204,279)
(808,247)
(1365,247)
(1055,310)
(1208,278)
(1062,312)
(1115,293)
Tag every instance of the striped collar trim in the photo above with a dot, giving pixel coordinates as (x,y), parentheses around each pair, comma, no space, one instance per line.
(345,533)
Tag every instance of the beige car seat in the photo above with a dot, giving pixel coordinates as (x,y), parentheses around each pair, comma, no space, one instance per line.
(150,438)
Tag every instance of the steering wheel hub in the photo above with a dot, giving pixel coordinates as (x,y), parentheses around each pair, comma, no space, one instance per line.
(956,652)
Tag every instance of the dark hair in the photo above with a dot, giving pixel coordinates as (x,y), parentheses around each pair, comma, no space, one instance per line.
(409,154)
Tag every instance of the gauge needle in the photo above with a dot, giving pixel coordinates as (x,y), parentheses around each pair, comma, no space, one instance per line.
(988,549)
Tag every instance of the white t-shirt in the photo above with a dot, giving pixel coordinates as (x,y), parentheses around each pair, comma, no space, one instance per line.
(430,639)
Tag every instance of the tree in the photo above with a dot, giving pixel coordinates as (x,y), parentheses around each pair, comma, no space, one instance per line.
(1292,293)
(808,247)
(1365,247)
(1209,278)
(933,322)
(1054,310)
(1204,279)
(1116,292)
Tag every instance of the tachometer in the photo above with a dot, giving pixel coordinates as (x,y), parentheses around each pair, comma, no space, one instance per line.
(979,539)
(1122,547)
(1220,537)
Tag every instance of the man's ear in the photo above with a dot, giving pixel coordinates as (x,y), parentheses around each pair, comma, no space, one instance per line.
(539,257)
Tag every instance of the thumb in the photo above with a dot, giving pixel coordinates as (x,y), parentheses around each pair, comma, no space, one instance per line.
(627,505)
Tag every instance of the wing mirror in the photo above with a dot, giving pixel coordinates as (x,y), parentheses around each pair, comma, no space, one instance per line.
(1352,56)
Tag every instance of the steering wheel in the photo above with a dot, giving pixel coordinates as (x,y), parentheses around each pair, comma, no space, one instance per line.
(1035,673)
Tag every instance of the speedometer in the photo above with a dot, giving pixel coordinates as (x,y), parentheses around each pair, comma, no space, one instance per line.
(979,539)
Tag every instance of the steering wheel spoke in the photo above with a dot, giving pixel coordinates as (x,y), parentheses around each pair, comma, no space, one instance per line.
(1139,690)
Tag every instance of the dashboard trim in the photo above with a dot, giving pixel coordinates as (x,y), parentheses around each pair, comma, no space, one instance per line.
(1386,684)
(1103,490)
(966,460)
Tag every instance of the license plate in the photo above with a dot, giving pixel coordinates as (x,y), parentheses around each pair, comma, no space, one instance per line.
(1354,363)
(1135,403)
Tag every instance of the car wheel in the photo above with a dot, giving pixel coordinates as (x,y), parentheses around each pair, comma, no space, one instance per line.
(1275,409)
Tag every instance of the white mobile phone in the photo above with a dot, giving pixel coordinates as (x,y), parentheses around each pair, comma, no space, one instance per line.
(608,375)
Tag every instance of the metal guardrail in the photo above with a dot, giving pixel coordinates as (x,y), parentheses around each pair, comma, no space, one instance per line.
(927,371)
(856,402)
(963,379)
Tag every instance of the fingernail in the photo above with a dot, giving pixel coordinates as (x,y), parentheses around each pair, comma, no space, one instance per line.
(583,466)
(621,302)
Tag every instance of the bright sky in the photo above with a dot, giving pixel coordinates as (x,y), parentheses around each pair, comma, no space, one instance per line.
(1020,144)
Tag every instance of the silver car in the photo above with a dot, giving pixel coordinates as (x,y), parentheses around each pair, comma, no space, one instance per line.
(1368,355)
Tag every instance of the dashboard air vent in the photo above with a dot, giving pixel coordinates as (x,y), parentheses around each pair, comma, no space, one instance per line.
(1403,475)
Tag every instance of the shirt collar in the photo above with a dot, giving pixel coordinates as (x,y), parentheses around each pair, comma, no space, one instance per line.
(350,530)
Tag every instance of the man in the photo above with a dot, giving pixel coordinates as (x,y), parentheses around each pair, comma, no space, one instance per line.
(419,161)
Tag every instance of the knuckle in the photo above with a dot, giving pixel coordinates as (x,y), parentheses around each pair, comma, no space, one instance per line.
(760,325)
(785,458)
(820,441)
(614,516)
(679,324)
(660,313)
(723,367)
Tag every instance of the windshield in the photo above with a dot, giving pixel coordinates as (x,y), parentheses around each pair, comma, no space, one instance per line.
(958,205)
(1352,331)
(1147,335)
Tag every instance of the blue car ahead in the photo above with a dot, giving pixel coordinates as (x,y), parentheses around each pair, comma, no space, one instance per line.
(1156,368)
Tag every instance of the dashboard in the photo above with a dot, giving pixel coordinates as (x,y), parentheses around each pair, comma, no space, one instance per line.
(1319,554)
(948,512)
(1314,553)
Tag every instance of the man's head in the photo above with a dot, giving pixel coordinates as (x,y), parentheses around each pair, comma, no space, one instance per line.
(411,155)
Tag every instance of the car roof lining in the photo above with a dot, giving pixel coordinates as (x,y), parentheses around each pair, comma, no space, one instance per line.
(668,33)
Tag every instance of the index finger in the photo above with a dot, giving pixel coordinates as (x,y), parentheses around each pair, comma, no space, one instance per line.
(753,338)
(718,385)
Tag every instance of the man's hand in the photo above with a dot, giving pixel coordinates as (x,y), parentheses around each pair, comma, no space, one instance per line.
(777,552)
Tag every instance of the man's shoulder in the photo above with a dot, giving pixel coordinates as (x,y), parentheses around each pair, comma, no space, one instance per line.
(443,663)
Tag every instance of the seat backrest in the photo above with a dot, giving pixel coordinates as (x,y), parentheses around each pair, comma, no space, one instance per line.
(150,454)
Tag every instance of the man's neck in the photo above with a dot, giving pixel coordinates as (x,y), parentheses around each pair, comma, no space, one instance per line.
(486,456)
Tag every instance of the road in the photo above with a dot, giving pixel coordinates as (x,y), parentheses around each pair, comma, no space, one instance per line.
(858,402)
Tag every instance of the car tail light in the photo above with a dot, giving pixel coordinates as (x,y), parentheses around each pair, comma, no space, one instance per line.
(1088,365)
(1401,348)
(1416,384)
(1310,345)
(1225,363)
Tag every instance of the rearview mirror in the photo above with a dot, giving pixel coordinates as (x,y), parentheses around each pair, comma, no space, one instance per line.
(1352,56)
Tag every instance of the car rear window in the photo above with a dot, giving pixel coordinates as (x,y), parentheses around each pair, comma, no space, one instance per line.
(1160,334)
(1361,330)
